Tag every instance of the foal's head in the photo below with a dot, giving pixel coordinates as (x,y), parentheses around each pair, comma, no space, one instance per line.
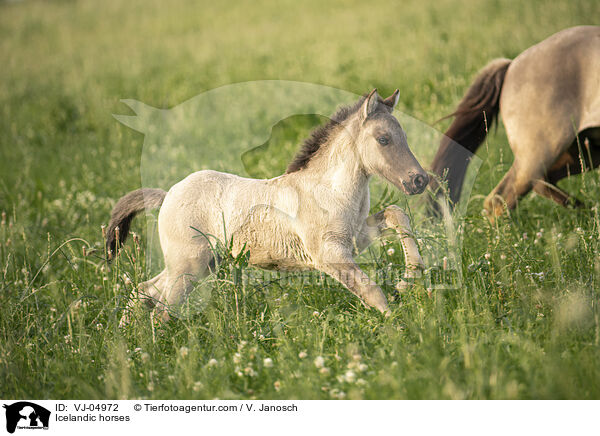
(382,147)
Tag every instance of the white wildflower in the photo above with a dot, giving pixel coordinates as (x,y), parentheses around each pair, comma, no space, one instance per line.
(319,362)
(349,376)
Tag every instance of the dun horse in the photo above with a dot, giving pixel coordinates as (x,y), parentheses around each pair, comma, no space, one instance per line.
(549,100)
(315,216)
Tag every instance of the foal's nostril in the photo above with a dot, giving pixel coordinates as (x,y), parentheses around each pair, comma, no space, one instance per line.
(420,182)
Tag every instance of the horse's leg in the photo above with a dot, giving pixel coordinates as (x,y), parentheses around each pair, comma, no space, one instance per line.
(147,292)
(507,192)
(393,218)
(339,264)
(186,263)
(534,164)
(528,168)
(177,285)
(570,164)
(563,166)
(547,189)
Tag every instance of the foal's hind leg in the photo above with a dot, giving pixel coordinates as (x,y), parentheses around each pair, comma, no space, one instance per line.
(185,264)
(147,292)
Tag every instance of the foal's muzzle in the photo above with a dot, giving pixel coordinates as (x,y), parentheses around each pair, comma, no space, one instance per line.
(418,183)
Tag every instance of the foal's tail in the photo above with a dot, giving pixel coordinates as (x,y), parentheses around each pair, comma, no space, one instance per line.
(125,210)
(473,117)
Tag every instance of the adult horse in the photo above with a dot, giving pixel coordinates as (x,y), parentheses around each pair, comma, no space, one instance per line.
(313,216)
(549,100)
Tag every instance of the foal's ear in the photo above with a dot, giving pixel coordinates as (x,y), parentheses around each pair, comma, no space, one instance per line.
(392,100)
(370,104)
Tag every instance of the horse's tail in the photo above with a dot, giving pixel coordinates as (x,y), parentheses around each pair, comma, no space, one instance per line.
(473,117)
(125,210)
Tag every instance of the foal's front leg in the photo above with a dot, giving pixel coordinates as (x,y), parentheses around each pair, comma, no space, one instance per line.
(338,263)
(393,218)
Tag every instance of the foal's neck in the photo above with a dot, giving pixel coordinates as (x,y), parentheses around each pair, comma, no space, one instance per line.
(337,167)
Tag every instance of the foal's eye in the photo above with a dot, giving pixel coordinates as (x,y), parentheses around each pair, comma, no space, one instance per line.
(383,140)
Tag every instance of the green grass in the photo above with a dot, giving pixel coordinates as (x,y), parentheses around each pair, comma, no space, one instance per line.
(525,324)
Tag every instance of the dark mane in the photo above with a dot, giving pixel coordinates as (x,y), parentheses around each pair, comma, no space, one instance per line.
(321,135)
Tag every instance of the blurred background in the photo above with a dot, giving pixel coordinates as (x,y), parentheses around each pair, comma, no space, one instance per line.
(66,65)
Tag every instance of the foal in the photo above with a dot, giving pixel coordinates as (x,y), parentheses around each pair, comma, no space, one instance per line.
(313,216)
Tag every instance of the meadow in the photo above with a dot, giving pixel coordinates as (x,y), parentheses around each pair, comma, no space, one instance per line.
(524,324)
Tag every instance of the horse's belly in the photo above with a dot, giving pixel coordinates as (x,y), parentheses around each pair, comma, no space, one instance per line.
(267,259)
(271,247)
